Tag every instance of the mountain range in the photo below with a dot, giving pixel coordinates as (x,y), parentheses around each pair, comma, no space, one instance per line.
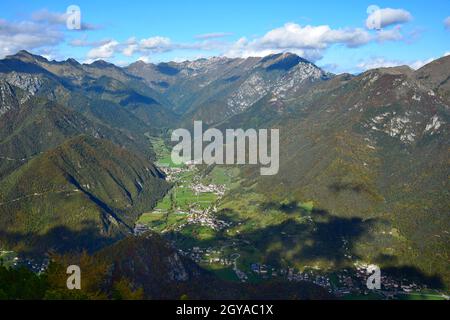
(77,169)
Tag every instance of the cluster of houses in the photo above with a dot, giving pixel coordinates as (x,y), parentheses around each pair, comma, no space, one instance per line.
(206,256)
(10,259)
(346,281)
(217,189)
(388,283)
(242,276)
(206,218)
(195,214)
(140,229)
(171,173)
(290,274)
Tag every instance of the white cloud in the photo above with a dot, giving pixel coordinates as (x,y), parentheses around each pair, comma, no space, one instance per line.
(104,51)
(132,46)
(420,63)
(216,35)
(42,31)
(159,44)
(46,29)
(49,17)
(58,18)
(387,17)
(447,23)
(380,62)
(145,59)
(292,35)
(155,44)
(28,35)
(390,35)
(307,41)
(130,49)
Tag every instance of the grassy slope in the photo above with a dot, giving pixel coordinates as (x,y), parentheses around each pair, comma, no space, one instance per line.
(56,194)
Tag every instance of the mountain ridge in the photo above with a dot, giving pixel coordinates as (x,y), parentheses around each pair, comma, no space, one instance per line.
(372,147)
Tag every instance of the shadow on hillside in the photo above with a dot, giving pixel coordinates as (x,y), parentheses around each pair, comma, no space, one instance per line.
(290,207)
(58,239)
(322,237)
(388,267)
(230,216)
(340,187)
(305,237)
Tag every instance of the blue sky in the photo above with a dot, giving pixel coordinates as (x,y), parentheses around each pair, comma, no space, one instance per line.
(333,34)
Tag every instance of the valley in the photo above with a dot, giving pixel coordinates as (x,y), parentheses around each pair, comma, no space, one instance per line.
(206,218)
(85,166)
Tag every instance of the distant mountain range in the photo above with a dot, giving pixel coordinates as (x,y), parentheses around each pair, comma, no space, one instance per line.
(76,169)
(217,88)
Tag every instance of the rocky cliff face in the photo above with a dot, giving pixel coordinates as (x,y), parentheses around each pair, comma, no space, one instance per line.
(217,88)
(8,100)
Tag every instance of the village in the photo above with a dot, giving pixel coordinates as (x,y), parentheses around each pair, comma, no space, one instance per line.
(345,282)
(349,281)
(11,259)
(195,214)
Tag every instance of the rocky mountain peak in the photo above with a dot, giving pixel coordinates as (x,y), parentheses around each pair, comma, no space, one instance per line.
(26,56)
(73,62)
(101,64)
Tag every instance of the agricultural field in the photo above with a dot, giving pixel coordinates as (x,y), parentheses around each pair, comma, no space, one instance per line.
(163,153)
(279,234)
(256,225)
(183,198)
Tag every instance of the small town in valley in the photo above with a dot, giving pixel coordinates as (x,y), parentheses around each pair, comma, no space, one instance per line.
(200,212)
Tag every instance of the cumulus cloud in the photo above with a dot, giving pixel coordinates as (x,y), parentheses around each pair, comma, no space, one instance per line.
(292,35)
(108,48)
(386,17)
(47,29)
(147,46)
(58,18)
(129,50)
(307,41)
(159,44)
(380,62)
(28,35)
(43,30)
(130,47)
(105,51)
(156,44)
(390,34)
